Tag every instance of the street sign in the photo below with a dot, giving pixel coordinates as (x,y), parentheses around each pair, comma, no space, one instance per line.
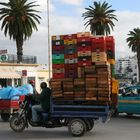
(3,57)
(3,51)
(24,72)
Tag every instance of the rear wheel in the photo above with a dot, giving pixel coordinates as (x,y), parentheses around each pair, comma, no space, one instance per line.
(17,124)
(5,116)
(77,127)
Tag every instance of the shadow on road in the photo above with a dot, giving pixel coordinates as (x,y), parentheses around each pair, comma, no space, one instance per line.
(36,134)
(131,117)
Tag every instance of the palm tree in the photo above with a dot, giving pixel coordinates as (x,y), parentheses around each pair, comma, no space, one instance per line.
(133,41)
(100,18)
(18,21)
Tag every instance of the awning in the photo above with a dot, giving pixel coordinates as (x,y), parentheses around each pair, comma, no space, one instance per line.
(8,73)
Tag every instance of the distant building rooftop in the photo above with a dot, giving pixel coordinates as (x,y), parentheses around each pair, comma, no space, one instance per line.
(27,59)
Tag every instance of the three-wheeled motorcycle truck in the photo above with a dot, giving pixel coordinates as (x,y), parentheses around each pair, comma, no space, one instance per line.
(76,115)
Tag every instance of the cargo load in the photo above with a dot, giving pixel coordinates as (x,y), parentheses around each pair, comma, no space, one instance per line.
(83,69)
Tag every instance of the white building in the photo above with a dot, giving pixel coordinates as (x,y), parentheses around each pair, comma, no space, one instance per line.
(19,74)
(134,66)
(127,67)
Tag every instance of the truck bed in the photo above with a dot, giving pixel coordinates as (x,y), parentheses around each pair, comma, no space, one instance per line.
(85,111)
(7,104)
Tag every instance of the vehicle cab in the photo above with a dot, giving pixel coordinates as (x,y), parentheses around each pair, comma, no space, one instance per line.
(129,100)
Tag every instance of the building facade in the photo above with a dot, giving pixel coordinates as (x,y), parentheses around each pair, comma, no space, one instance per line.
(18,74)
(127,68)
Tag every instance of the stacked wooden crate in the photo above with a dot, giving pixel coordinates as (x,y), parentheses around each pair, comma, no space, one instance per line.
(79,89)
(82,67)
(104,82)
(68,87)
(56,87)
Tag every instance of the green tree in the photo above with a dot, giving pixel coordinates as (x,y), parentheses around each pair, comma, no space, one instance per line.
(18,21)
(133,41)
(100,18)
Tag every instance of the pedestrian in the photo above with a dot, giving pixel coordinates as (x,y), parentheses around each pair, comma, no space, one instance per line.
(30,87)
(32,82)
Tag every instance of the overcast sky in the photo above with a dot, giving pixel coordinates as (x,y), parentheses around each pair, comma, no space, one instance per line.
(65,18)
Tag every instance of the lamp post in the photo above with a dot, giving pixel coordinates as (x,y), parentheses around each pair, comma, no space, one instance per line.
(48,22)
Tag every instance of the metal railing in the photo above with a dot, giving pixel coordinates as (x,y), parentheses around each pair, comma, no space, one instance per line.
(26,59)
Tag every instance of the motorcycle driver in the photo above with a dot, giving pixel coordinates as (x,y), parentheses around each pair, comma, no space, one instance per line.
(44,99)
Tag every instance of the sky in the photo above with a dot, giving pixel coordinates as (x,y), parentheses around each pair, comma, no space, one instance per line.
(66,18)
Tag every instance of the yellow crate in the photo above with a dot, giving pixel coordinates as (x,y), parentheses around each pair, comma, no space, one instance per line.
(70,42)
(101,56)
(83,34)
(115,86)
(111,61)
(84,53)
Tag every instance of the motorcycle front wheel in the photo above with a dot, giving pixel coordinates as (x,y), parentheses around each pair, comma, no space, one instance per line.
(17,124)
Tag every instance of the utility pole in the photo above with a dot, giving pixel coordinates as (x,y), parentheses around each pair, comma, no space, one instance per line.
(48,22)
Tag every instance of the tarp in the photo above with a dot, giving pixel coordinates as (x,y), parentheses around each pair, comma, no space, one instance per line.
(8,73)
(13,93)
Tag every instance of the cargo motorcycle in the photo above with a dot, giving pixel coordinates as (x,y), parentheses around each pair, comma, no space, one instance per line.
(18,122)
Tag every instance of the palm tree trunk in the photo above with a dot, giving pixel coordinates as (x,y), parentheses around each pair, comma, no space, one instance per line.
(19,43)
(138,57)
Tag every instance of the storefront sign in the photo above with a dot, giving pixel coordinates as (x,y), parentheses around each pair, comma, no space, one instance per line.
(3,57)
(3,51)
(24,72)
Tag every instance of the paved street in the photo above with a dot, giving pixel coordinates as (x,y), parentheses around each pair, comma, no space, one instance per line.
(121,128)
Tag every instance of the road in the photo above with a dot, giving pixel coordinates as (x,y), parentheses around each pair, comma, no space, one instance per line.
(121,128)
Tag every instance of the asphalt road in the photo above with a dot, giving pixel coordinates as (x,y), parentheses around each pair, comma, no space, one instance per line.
(120,128)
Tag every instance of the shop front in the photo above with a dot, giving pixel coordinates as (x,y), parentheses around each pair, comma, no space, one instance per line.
(9,77)
(19,74)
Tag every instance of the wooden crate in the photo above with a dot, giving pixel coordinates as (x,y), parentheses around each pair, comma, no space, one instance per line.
(56,85)
(79,88)
(67,79)
(68,95)
(91,98)
(90,70)
(91,88)
(104,85)
(105,99)
(57,94)
(79,81)
(91,93)
(81,72)
(79,95)
(99,56)
(102,64)
(89,80)
(68,86)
